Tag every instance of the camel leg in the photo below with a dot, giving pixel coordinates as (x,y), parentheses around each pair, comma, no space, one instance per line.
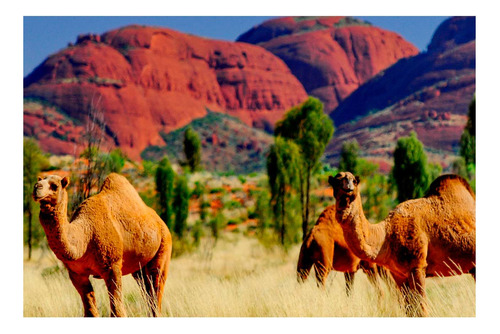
(304,265)
(349,282)
(416,283)
(373,277)
(320,272)
(403,291)
(156,275)
(113,280)
(84,288)
(145,282)
(322,267)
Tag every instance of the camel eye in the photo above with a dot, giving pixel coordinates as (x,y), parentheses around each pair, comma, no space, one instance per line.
(53,186)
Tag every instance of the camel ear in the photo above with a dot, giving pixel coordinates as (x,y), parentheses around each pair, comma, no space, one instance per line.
(334,181)
(331,180)
(65,182)
(357,179)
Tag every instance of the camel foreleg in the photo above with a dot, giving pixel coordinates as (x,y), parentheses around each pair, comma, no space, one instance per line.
(416,285)
(86,291)
(113,280)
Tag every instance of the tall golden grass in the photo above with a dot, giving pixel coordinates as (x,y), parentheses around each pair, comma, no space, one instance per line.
(239,278)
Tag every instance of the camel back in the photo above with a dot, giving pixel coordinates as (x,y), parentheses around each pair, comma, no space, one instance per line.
(446,183)
(115,182)
(118,194)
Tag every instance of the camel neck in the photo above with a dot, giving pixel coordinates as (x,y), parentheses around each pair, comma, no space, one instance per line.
(64,238)
(363,238)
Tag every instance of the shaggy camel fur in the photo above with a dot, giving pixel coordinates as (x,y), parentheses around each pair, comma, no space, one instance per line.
(325,248)
(110,234)
(425,237)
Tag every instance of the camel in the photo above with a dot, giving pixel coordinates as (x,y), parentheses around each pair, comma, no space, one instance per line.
(110,235)
(325,248)
(430,236)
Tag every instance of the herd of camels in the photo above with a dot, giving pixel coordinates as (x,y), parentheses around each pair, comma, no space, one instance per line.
(114,233)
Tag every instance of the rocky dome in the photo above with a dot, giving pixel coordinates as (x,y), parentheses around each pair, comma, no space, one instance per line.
(429,93)
(331,56)
(148,80)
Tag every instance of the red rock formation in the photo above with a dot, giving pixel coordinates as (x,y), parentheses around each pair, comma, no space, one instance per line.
(429,94)
(331,56)
(149,80)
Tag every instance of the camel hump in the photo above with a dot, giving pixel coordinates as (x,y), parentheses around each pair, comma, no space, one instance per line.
(115,181)
(449,183)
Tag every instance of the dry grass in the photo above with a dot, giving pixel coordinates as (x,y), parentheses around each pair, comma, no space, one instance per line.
(240,279)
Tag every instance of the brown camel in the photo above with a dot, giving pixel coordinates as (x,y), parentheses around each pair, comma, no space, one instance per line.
(110,234)
(425,237)
(325,248)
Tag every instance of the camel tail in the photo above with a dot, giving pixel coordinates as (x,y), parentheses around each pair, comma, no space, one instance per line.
(304,264)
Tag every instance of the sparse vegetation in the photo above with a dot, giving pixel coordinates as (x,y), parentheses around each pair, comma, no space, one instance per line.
(242,146)
(240,278)
(225,254)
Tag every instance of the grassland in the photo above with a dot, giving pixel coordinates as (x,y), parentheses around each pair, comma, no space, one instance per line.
(239,278)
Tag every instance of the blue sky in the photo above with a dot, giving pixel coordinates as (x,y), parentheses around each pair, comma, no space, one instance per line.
(45,35)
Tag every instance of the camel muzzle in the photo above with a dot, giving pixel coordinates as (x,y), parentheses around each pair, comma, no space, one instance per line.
(349,189)
(37,192)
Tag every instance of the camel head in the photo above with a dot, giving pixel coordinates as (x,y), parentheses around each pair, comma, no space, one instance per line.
(345,188)
(50,190)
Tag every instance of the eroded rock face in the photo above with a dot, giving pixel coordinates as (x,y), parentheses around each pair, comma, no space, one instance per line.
(331,56)
(429,94)
(149,80)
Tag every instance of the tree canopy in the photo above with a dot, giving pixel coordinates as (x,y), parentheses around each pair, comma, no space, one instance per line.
(192,149)
(283,165)
(311,129)
(410,172)
(349,157)
(164,179)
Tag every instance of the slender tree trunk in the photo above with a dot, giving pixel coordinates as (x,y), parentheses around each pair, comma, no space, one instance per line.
(283,217)
(30,219)
(305,223)
(303,207)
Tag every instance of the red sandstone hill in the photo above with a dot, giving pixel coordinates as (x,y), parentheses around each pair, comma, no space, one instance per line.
(149,80)
(331,56)
(429,94)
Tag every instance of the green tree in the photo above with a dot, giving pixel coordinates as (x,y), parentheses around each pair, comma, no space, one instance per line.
(349,157)
(283,165)
(262,211)
(311,129)
(410,172)
(181,205)
(33,162)
(216,223)
(116,161)
(377,196)
(192,149)
(164,179)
